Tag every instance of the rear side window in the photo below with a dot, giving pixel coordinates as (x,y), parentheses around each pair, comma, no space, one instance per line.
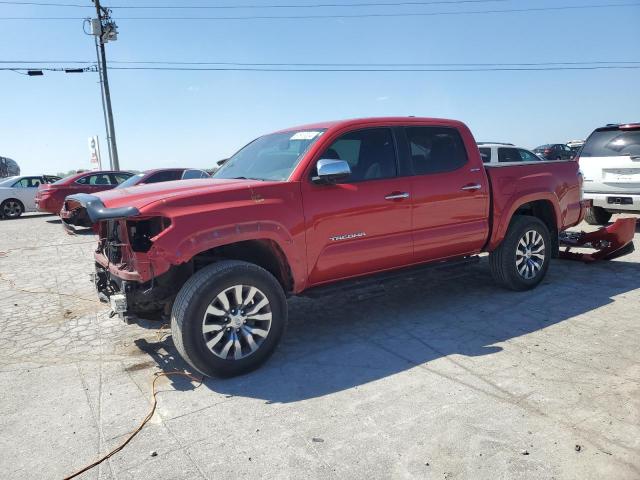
(189,174)
(612,143)
(118,178)
(370,154)
(506,155)
(165,176)
(435,149)
(528,156)
(101,179)
(485,154)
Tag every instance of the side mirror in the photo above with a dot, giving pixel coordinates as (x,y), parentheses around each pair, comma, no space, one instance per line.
(332,171)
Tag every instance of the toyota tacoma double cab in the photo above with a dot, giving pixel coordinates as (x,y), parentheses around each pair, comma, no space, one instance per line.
(308,207)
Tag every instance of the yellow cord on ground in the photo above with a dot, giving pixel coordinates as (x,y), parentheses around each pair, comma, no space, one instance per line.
(154,403)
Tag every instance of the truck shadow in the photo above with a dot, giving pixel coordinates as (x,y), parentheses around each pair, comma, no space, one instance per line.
(351,339)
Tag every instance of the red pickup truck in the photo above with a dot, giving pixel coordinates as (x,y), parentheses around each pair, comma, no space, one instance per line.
(306,207)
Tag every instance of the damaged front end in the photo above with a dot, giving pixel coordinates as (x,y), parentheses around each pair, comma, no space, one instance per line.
(609,242)
(130,274)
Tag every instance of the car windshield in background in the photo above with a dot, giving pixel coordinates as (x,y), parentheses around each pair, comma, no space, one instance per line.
(272,157)
(131,181)
(612,143)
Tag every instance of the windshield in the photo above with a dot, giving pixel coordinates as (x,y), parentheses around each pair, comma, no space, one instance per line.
(612,143)
(131,181)
(8,181)
(271,157)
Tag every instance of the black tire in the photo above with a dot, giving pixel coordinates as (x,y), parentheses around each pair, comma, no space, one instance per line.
(199,293)
(11,208)
(597,216)
(502,260)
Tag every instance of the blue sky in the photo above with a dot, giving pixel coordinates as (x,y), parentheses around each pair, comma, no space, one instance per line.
(195,118)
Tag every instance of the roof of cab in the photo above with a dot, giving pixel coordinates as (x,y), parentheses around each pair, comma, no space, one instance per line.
(372,120)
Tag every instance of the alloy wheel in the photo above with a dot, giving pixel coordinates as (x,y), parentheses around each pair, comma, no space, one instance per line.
(11,209)
(236,322)
(530,254)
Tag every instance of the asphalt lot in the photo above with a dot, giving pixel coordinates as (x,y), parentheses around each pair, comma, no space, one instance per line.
(445,377)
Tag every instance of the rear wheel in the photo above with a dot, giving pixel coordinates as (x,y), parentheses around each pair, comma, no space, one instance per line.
(228,318)
(597,216)
(522,259)
(11,208)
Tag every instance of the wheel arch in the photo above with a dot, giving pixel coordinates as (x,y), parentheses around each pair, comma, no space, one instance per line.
(546,209)
(264,252)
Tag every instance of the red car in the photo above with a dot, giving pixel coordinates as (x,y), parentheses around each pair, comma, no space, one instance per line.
(159,175)
(50,197)
(316,208)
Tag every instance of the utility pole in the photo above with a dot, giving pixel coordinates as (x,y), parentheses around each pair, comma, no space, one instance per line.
(105,30)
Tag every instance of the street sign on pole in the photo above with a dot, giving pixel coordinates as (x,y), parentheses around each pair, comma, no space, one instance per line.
(94,150)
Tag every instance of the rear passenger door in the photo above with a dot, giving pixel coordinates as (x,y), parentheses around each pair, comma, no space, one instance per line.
(362,224)
(450,196)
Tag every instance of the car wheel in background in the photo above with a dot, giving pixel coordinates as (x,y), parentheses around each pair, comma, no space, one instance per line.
(522,259)
(228,318)
(11,208)
(597,216)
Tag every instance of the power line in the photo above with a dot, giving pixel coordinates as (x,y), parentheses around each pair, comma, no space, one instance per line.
(42,4)
(362,15)
(346,64)
(469,68)
(399,70)
(246,6)
(51,69)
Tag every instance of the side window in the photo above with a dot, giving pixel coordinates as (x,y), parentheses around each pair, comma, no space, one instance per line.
(118,178)
(485,154)
(22,183)
(164,176)
(509,155)
(528,156)
(28,182)
(102,179)
(435,149)
(189,174)
(370,154)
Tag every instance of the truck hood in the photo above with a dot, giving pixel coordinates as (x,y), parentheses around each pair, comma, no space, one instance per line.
(86,209)
(142,195)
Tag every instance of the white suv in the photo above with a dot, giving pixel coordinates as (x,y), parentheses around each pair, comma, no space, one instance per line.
(505,153)
(610,165)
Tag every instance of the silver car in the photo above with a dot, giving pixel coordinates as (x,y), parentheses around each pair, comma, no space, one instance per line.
(17,194)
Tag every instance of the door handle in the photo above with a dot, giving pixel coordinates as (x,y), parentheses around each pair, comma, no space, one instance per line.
(472,187)
(397,196)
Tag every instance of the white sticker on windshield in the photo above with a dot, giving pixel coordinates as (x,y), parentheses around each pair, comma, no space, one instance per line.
(305,135)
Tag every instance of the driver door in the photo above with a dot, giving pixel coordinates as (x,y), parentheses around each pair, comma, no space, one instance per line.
(363,224)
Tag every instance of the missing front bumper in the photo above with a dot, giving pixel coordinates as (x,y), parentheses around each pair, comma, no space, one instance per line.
(609,242)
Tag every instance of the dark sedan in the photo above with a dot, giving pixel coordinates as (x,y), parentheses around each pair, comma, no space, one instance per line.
(554,151)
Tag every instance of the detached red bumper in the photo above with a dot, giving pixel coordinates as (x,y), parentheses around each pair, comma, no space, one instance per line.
(608,242)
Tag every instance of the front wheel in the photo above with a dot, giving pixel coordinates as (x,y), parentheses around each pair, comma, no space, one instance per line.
(522,259)
(228,318)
